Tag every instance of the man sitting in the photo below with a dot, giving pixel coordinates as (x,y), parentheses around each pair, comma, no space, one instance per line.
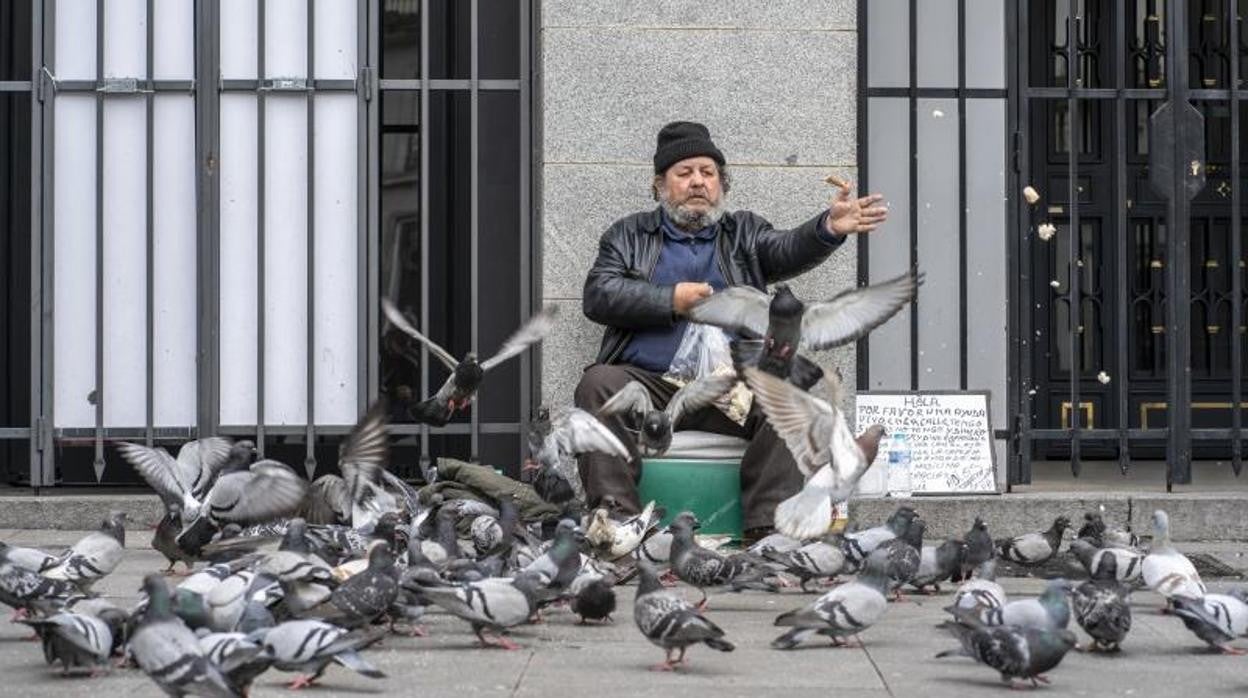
(654,265)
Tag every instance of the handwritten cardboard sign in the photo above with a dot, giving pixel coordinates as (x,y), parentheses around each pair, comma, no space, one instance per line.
(950,439)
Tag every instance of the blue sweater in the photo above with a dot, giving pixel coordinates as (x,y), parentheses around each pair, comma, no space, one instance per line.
(684,257)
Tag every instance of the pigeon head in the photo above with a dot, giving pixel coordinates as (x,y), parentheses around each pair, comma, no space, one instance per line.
(687,519)
(649,578)
(294,539)
(914,533)
(1061,523)
(785,304)
(1106,568)
(869,442)
(656,426)
(875,570)
(900,519)
(380,556)
(1161,526)
(115,526)
(158,599)
(387,527)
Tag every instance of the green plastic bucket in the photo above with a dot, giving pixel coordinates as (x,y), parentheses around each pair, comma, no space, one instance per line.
(711,489)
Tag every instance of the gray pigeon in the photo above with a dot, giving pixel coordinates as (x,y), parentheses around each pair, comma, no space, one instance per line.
(167,651)
(243,494)
(846,610)
(1218,619)
(859,544)
(31,559)
(593,599)
(94,556)
(239,658)
(28,592)
(1167,571)
(1102,606)
(670,622)
(364,597)
(1032,549)
(1015,652)
(1128,564)
(980,548)
(903,557)
(165,538)
(813,561)
(310,646)
(75,640)
(654,434)
(1049,611)
(460,388)
(938,563)
(494,604)
(363,493)
(702,568)
(559,565)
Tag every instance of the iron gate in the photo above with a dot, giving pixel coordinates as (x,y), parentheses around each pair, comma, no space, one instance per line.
(1129,121)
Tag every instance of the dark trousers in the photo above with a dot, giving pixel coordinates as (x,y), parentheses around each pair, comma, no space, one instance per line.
(768,473)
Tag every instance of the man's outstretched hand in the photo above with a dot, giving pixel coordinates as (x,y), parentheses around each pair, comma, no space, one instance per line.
(687,293)
(854,215)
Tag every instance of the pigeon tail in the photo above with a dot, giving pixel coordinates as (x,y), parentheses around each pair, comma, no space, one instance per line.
(431,411)
(791,639)
(353,661)
(720,644)
(807,514)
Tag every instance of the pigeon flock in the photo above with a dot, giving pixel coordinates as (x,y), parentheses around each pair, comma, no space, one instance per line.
(283,575)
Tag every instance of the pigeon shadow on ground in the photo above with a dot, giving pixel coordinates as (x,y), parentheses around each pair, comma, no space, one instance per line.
(323,685)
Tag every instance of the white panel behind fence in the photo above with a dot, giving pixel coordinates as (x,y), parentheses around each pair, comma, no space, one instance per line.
(335,40)
(73,295)
(337,277)
(237,336)
(174,39)
(238,40)
(125,262)
(125,38)
(286,38)
(175,325)
(285,260)
(75,40)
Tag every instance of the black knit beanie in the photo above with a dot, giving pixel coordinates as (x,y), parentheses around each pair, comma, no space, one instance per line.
(683,139)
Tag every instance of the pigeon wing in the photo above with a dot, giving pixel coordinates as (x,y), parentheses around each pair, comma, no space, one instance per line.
(267,491)
(698,394)
(204,458)
(367,442)
(580,432)
(737,308)
(166,475)
(328,502)
(530,332)
(400,321)
(803,421)
(852,314)
(633,398)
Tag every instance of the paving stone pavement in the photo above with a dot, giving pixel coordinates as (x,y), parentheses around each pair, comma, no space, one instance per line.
(561,658)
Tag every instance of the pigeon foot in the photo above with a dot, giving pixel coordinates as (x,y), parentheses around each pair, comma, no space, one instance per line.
(301,681)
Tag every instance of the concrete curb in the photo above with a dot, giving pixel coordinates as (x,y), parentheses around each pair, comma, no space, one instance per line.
(1193,517)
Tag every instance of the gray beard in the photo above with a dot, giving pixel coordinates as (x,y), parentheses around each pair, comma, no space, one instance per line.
(689,220)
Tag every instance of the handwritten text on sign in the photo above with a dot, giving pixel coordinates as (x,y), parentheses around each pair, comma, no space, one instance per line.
(949,436)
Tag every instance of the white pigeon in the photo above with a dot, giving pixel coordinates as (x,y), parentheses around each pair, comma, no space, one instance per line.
(1167,571)
(615,539)
(822,445)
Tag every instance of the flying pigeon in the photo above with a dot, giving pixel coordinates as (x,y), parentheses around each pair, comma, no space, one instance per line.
(568,434)
(1035,548)
(823,447)
(361,495)
(460,388)
(654,436)
(786,324)
(310,646)
(1015,652)
(1167,571)
(670,622)
(185,480)
(846,610)
(167,651)
(1102,606)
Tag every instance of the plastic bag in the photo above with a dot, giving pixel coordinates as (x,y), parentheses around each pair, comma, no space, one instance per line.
(702,352)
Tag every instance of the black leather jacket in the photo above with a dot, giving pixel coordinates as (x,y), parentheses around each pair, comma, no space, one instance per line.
(618,292)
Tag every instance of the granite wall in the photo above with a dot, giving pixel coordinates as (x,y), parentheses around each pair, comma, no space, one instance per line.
(774,81)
